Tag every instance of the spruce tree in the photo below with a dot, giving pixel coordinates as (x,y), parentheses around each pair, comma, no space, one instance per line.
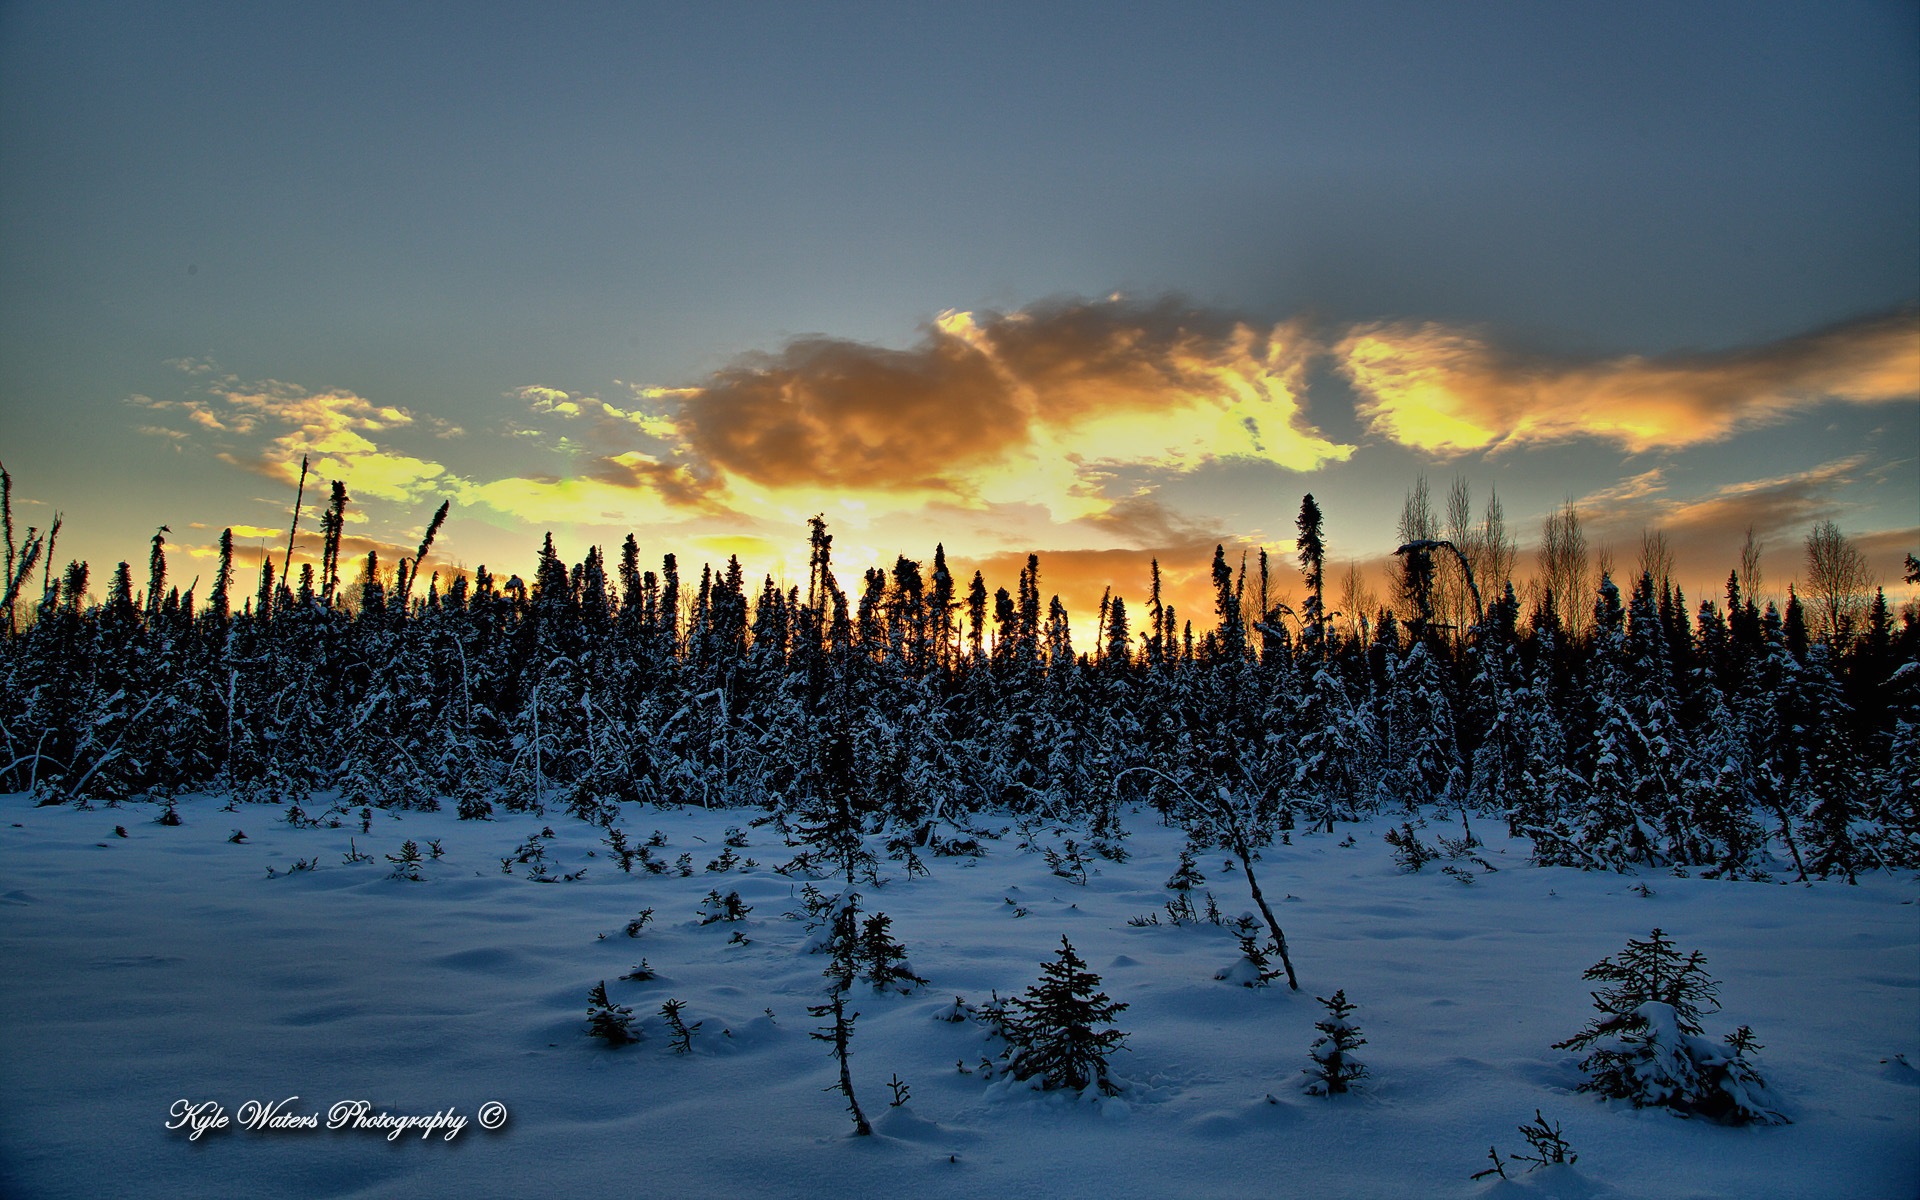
(1334,1069)
(1313,556)
(840,972)
(1647,1046)
(1060,1031)
(607,1020)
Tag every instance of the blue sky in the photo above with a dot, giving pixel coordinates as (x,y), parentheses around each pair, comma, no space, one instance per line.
(593,268)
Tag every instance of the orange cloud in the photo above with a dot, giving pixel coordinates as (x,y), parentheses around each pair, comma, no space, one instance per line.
(1032,406)
(1447,391)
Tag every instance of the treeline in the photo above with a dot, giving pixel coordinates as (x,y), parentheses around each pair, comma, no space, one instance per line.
(1727,738)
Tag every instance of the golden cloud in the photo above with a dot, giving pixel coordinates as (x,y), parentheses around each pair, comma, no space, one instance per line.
(1032,406)
(1447,391)
(269,426)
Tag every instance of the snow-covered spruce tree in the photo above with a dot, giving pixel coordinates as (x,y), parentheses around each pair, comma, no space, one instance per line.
(1898,783)
(1826,784)
(1060,1031)
(1647,1046)
(1254,968)
(1334,1068)
(1325,781)
(1427,768)
(605,1019)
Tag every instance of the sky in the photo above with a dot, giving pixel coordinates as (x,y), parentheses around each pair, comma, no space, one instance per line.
(1102,282)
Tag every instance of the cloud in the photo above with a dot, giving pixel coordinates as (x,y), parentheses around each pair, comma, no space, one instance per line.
(1037,405)
(268,426)
(1705,531)
(1782,504)
(1447,391)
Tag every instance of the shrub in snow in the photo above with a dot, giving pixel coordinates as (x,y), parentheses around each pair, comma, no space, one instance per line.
(723,908)
(1647,1046)
(1408,850)
(1255,968)
(682,1032)
(623,850)
(407,862)
(1546,1142)
(1334,1068)
(956,1013)
(1055,1031)
(605,1019)
(1068,863)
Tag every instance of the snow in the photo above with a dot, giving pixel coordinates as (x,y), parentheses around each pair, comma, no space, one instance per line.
(167,966)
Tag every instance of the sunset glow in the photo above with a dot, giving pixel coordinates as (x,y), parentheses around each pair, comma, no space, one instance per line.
(739,288)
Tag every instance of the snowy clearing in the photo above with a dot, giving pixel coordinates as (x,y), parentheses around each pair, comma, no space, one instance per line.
(168,965)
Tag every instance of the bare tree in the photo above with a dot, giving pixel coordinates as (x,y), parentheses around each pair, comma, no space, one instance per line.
(1358,602)
(1750,576)
(1450,587)
(1837,581)
(1494,567)
(1656,558)
(1417,524)
(1563,565)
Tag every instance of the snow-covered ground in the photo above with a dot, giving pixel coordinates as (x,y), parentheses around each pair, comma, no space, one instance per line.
(168,966)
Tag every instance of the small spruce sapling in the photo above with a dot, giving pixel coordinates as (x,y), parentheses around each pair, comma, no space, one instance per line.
(607,1020)
(1060,1031)
(1186,876)
(1647,1047)
(885,960)
(682,1032)
(1408,850)
(623,849)
(840,973)
(1068,863)
(723,908)
(1255,968)
(406,863)
(1334,1068)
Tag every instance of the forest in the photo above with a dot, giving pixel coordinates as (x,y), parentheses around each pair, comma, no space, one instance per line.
(1608,724)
